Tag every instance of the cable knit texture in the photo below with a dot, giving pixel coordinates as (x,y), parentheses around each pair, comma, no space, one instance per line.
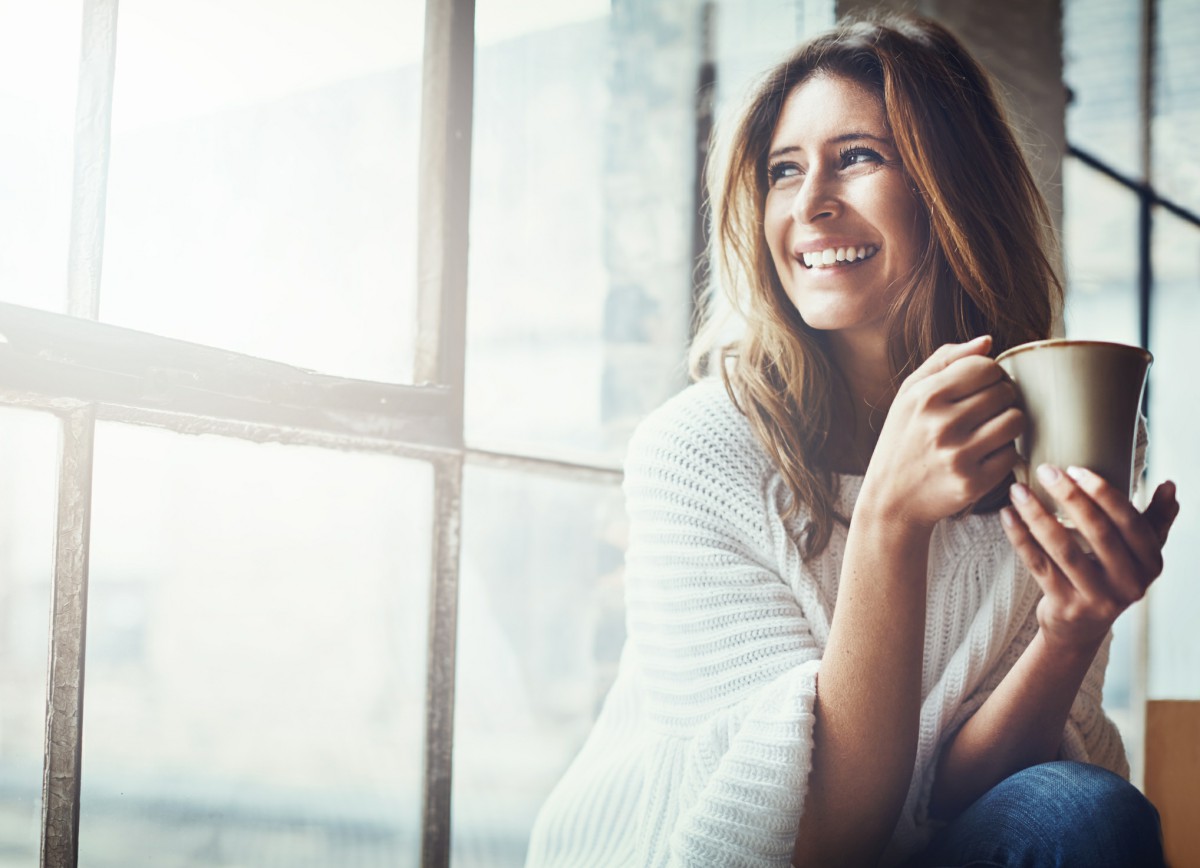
(701,753)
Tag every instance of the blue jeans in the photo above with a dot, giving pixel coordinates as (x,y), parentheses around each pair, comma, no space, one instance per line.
(1055,815)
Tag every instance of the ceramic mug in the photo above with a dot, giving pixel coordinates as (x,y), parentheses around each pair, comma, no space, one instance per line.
(1082,401)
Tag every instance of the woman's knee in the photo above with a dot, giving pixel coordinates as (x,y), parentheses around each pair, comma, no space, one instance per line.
(1076,787)
(1053,815)
(1092,811)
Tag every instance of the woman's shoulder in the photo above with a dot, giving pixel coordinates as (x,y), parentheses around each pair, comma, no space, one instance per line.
(699,432)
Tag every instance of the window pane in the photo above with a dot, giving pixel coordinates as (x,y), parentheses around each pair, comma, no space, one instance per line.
(1100,245)
(262,193)
(255,661)
(1100,66)
(1177,102)
(28,486)
(1174,420)
(541,624)
(39,67)
(583,196)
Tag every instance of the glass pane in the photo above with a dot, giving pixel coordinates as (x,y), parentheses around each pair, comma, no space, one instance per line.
(1174,420)
(256,646)
(1177,102)
(1100,66)
(28,490)
(541,624)
(583,196)
(39,68)
(1100,240)
(262,191)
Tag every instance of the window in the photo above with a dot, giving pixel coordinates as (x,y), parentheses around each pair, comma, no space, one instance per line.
(1132,235)
(336,550)
(348,549)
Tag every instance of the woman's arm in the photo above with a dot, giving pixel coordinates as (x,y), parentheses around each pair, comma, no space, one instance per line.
(946,442)
(868,695)
(1022,722)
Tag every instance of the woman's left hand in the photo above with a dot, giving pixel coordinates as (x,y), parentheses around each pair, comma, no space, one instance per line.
(1084,593)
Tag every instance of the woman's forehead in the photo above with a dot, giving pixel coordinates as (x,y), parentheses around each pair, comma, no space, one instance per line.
(825,107)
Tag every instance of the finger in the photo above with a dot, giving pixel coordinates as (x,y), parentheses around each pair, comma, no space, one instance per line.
(997,465)
(1162,511)
(1078,569)
(1052,582)
(1109,544)
(964,377)
(977,408)
(947,354)
(996,432)
(1141,534)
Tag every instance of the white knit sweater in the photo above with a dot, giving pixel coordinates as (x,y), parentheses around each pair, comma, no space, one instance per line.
(701,753)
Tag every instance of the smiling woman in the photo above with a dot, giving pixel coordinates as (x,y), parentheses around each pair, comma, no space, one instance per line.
(842,651)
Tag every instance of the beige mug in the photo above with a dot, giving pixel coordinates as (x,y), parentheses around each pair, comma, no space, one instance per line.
(1082,401)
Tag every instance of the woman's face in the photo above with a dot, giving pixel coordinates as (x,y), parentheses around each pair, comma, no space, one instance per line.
(843,225)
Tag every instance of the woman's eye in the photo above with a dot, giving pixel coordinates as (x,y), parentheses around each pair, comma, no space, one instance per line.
(858,156)
(781,171)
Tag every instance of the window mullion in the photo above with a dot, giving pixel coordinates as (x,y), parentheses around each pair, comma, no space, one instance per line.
(447,83)
(93,126)
(64,695)
(440,662)
(63,758)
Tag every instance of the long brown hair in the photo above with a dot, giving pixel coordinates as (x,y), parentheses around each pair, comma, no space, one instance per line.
(986,267)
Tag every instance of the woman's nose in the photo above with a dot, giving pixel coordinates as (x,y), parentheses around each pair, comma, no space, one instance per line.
(816,199)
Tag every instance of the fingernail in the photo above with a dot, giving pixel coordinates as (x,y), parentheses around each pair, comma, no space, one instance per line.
(1048,474)
(1006,517)
(1079,474)
(1018,492)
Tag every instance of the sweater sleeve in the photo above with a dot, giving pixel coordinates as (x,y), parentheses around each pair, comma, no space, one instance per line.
(728,660)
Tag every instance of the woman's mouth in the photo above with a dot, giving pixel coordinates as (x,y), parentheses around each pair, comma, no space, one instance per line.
(832,257)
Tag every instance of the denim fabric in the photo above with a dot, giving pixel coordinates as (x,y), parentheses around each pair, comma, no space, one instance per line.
(1055,815)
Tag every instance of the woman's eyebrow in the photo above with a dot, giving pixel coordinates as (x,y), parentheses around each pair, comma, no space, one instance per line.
(836,140)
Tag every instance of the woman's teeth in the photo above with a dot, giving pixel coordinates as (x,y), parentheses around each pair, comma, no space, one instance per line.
(832,256)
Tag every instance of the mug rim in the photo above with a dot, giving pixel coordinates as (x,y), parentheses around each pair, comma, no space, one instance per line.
(1072,342)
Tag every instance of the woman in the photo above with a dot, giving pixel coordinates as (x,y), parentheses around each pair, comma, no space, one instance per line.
(842,650)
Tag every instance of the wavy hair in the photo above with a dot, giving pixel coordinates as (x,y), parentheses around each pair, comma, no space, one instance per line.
(986,267)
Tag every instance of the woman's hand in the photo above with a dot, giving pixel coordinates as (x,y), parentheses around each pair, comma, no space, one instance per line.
(1084,593)
(948,438)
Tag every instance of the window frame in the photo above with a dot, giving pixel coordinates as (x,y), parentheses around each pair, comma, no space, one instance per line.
(84,371)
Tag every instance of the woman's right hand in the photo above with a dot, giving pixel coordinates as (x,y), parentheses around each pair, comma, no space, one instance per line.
(948,438)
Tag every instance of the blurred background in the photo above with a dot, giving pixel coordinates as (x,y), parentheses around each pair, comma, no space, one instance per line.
(257,616)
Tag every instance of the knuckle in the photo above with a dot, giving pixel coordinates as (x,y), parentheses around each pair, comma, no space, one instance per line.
(925,396)
(1073,558)
(1011,395)
(1136,594)
(1034,557)
(1156,564)
(1107,536)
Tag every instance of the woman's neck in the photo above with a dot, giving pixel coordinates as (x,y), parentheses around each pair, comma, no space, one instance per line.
(858,416)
